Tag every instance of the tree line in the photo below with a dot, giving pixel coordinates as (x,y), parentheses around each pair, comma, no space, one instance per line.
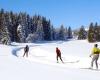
(92,34)
(21,27)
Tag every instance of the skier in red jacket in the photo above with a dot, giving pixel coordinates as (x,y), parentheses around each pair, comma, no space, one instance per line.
(58,52)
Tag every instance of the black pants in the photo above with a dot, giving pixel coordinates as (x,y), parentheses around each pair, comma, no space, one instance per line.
(26,52)
(59,56)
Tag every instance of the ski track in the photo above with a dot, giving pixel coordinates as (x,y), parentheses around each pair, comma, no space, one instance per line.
(36,55)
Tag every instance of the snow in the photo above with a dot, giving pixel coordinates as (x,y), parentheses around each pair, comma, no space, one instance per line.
(41,63)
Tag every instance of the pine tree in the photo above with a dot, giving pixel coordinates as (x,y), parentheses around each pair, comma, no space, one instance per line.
(61,33)
(46,29)
(4,34)
(12,28)
(91,35)
(98,36)
(22,28)
(39,30)
(52,33)
(7,25)
(96,32)
(70,33)
(66,33)
(32,38)
(82,33)
(1,23)
(28,24)
(21,33)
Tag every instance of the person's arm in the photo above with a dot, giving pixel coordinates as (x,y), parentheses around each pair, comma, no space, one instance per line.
(91,53)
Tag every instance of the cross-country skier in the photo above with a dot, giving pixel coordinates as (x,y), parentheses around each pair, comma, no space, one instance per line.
(58,52)
(26,50)
(95,54)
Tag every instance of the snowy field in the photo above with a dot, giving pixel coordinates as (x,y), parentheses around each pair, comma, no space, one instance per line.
(42,65)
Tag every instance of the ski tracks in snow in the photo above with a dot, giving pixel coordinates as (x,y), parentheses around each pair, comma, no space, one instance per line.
(39,55)
(42,56)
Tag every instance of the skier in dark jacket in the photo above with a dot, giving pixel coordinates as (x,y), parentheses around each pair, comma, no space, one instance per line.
(58,52)
(26,50)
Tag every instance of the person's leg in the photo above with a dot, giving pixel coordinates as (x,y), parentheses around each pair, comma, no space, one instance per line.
(93,59)
(96,61)
(61,59)
(96,64)
(24,54)
(57,58)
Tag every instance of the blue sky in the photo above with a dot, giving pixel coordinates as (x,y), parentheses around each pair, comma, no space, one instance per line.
(72,13)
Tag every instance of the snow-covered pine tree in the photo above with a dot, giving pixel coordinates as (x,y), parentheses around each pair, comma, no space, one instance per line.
(12,27)
(32,38)
(21,29)
(21,33)
(34,23)
(7,25)
(1,23)
(56,33)
(35,28)
(62,33)
(28,25)
(39,30)
(4,34)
